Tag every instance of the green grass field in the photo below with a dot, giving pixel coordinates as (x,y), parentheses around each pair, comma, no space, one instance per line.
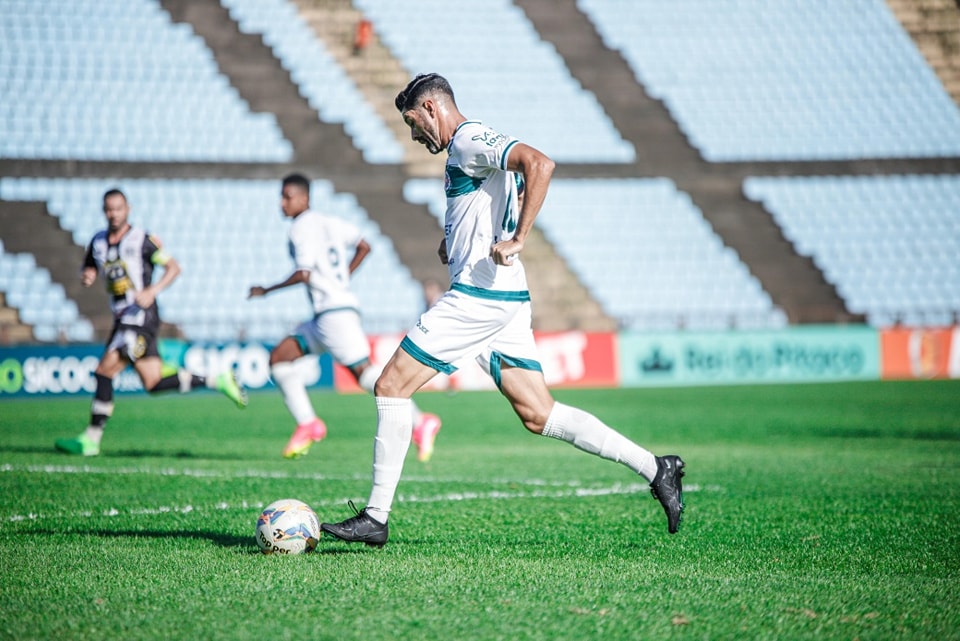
(813,512)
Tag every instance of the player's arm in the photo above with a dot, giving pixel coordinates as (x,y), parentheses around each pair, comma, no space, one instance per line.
(171,271)
(536,169)
(88,273)
(363,248)
(297,277)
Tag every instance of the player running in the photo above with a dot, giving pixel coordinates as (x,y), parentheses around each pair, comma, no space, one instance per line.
(127,256)
(326,251)
(486,313)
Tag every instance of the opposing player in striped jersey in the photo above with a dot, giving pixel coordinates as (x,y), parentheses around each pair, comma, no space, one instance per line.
(486,313)
(126,256)
(326,250)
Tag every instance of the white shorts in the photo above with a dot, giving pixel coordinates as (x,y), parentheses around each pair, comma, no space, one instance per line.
(461,326)
(337,332)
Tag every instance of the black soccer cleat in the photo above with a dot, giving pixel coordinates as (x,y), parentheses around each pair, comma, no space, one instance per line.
(667,489)
(361,528)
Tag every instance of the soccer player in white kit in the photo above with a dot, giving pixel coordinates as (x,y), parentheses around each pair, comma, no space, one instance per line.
(326,251)
(486,313)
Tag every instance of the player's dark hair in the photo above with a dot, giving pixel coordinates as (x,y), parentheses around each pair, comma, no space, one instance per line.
(422,85)
(297,180)
(113,192)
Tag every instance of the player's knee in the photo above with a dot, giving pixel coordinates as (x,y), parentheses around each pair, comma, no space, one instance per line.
(287,351)
(384,388)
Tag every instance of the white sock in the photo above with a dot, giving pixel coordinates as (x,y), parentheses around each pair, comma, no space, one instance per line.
(288,378)
(586,432)
(394,429)
(369,378)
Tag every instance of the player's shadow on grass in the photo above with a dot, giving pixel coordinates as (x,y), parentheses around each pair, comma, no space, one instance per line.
(245,544)
(179,454)
(132,453)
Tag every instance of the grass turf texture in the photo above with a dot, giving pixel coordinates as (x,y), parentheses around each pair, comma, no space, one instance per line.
(813,512)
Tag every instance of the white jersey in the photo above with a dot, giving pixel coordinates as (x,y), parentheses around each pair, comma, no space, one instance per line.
(324,246)
(481,211)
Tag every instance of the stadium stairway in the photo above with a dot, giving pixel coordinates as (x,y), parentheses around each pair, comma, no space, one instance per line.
(28,227)
(934,26)
(12,329)
(377,74)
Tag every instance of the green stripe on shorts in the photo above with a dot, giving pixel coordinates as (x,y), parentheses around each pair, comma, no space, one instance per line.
(411,348)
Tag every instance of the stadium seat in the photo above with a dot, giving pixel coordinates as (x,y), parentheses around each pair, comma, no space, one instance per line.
(887,243)
(755,80)
(154,71)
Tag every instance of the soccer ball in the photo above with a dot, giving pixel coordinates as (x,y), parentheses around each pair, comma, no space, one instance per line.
(287,526)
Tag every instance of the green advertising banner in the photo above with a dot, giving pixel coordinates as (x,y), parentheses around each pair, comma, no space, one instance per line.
(796,354)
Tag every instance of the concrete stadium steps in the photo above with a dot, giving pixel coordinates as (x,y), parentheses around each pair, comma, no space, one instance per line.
(934,26)
(377,74)
(29,228)
(12,329)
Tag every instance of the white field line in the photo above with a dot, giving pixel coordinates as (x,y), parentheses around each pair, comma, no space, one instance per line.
(539,489)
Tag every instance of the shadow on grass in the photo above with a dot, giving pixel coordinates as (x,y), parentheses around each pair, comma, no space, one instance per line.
(219,538)
(133,453)
(242,544)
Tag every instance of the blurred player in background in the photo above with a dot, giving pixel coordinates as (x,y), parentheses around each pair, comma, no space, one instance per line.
(326,250)
(486,313)
(126,257)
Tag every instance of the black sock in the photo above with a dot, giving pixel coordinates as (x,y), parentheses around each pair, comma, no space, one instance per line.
(102,407)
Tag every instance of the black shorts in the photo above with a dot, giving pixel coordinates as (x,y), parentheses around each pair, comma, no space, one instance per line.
(133,342)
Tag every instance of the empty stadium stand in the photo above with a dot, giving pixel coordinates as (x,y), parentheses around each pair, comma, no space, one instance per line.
(779,81)
(889,243)
(117,80)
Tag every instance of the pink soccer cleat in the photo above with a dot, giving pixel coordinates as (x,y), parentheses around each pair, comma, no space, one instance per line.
(424,434)
(303,437)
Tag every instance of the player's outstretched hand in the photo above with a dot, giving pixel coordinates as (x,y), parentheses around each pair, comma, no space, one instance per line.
(256,292)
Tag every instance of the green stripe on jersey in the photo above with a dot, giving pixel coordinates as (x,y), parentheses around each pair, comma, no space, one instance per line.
(492,294)
(459,183)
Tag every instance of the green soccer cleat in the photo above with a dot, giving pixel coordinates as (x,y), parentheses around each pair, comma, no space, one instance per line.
(82,445)
(227,383)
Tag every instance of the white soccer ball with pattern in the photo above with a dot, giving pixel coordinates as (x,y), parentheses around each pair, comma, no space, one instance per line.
(287,526)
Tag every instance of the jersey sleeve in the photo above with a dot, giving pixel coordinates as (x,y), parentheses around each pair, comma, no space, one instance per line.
(88,259)
(350,234)
(153,251)
(301,249)
(485,150)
